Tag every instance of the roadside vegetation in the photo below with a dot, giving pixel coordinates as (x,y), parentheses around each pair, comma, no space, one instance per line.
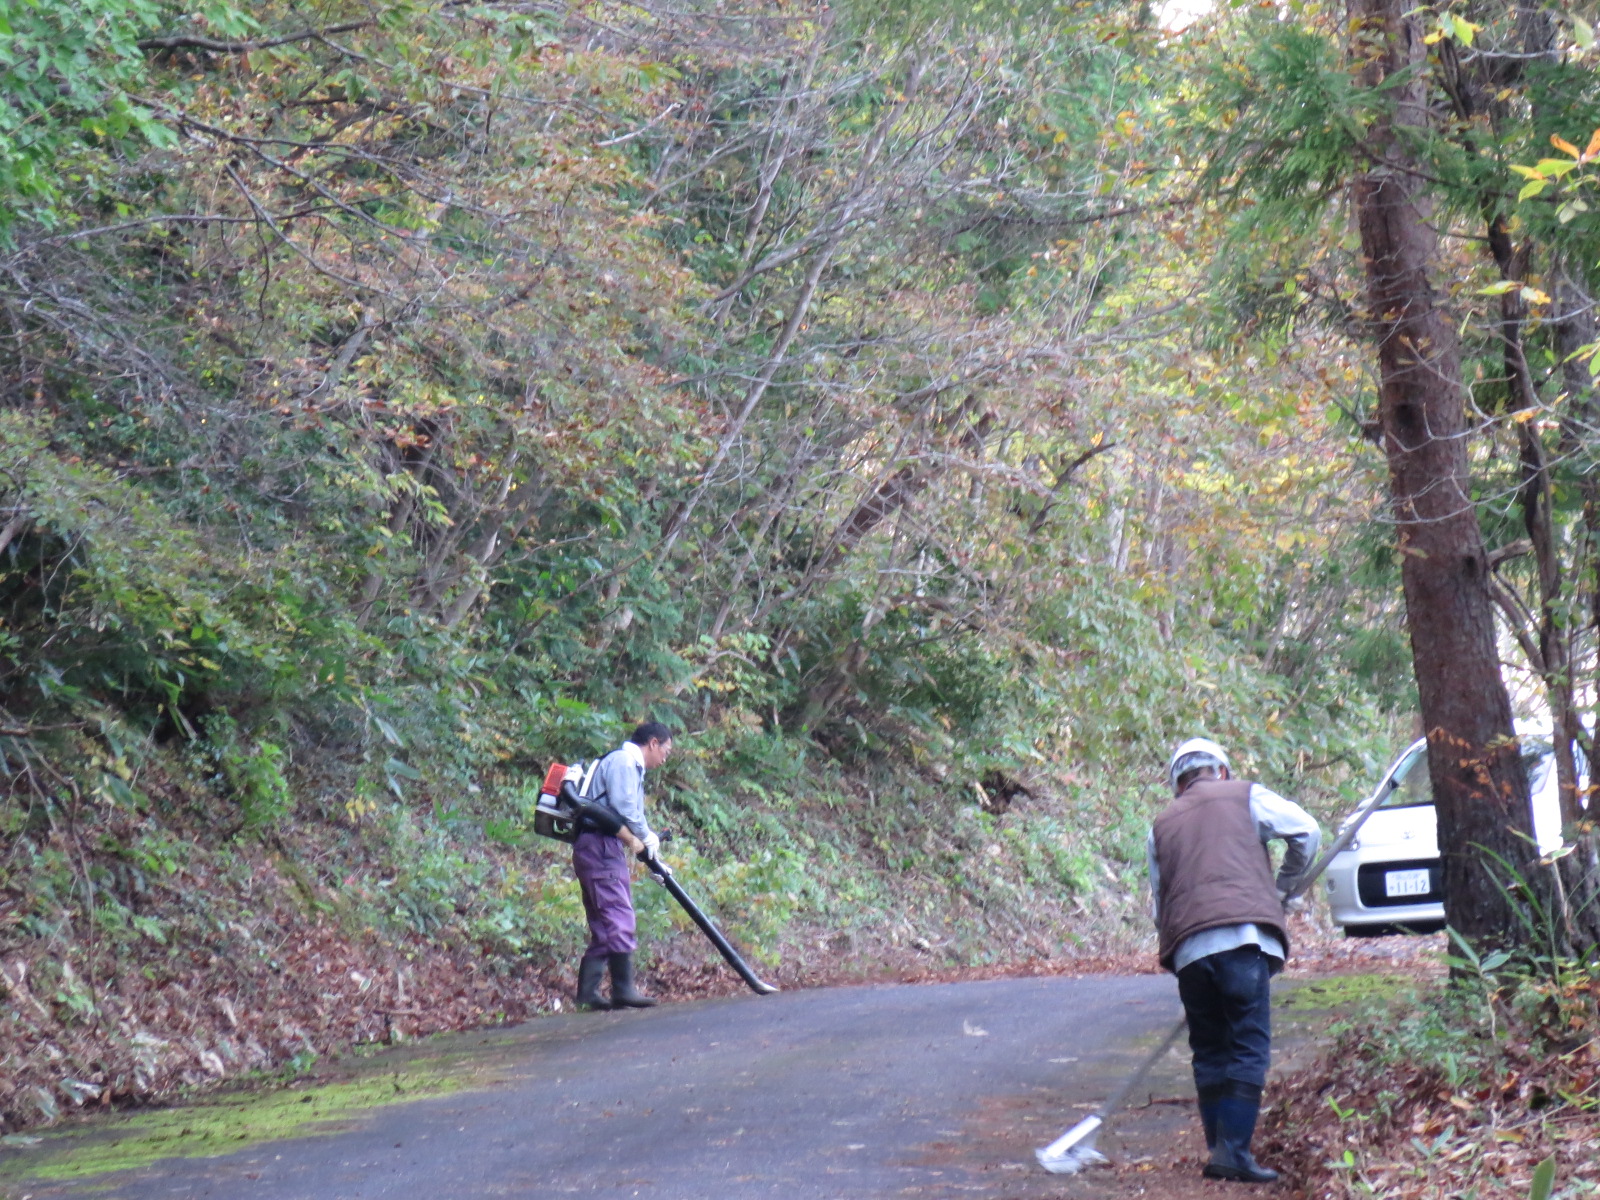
(933,412)
(1481,1087)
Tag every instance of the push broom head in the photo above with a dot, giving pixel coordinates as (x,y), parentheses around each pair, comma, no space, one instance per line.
(1074,1150)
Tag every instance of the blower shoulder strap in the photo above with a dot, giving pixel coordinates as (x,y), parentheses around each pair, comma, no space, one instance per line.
(590,781)
(586,779)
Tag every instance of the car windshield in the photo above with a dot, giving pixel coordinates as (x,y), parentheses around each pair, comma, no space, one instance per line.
(1416,788)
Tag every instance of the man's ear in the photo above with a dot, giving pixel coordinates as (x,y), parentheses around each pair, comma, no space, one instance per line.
(1224,773)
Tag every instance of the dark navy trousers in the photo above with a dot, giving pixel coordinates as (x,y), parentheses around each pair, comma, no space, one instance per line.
(1227,999)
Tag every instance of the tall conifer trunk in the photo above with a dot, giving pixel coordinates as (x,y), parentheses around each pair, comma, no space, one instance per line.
(1479,784)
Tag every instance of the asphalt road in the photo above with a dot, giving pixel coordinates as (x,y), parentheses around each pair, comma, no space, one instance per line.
(930,1090)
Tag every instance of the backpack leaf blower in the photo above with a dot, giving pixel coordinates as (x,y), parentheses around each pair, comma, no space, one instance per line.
(565,810)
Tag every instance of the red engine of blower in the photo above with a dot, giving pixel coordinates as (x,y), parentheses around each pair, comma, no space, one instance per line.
(553,818)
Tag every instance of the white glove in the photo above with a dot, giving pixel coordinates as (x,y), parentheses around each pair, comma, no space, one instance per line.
(652,843)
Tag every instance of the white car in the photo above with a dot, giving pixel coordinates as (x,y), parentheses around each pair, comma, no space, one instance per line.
(1390,879)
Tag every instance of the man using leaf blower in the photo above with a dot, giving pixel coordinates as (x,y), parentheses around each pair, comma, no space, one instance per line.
(1220,917)
(600,860)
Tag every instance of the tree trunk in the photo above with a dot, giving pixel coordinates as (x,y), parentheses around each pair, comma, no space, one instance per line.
(1479,785)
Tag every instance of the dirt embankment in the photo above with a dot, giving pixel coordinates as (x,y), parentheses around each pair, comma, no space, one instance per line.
(266,986)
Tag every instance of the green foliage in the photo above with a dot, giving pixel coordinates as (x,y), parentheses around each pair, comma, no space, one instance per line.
(245,1118)
(69,71)
(253,772)
(1544,1178)
(421,531)
(1280,113)
(162,620)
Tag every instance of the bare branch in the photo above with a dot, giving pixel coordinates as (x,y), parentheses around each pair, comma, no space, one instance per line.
(195,41)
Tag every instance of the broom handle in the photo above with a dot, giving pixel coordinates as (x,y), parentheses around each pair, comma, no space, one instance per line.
(1370,805)
(1137,1077)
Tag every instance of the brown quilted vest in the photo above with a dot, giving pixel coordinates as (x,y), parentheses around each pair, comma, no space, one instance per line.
(1214,868)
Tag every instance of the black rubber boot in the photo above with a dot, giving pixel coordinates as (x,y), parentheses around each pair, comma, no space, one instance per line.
(1209,1098)
(623,993)
(590,972)
(1237,1110)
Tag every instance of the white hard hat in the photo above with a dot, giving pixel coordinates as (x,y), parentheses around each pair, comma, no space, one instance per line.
(1194,754)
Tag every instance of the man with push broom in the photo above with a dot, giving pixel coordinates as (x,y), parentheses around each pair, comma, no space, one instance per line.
(1219,913)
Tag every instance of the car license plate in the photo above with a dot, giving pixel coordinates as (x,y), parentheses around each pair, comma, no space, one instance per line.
(1407,883)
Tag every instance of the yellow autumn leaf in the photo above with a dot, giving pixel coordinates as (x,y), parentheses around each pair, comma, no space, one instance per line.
(1523,415)
(1464,29)
(1593,147)
(1566,147)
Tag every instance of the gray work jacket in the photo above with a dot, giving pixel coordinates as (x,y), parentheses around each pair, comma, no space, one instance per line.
(619,782)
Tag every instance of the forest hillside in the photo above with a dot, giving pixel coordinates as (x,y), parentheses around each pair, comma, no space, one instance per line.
(932,412)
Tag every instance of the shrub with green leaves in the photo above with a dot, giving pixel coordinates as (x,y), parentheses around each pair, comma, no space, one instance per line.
(69,74)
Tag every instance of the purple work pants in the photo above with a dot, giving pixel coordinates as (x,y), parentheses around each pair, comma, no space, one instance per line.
(601,865)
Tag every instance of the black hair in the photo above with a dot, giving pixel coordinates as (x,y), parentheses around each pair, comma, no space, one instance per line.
(651,731)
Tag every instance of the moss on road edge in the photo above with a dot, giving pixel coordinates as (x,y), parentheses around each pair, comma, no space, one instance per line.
(229,1122)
